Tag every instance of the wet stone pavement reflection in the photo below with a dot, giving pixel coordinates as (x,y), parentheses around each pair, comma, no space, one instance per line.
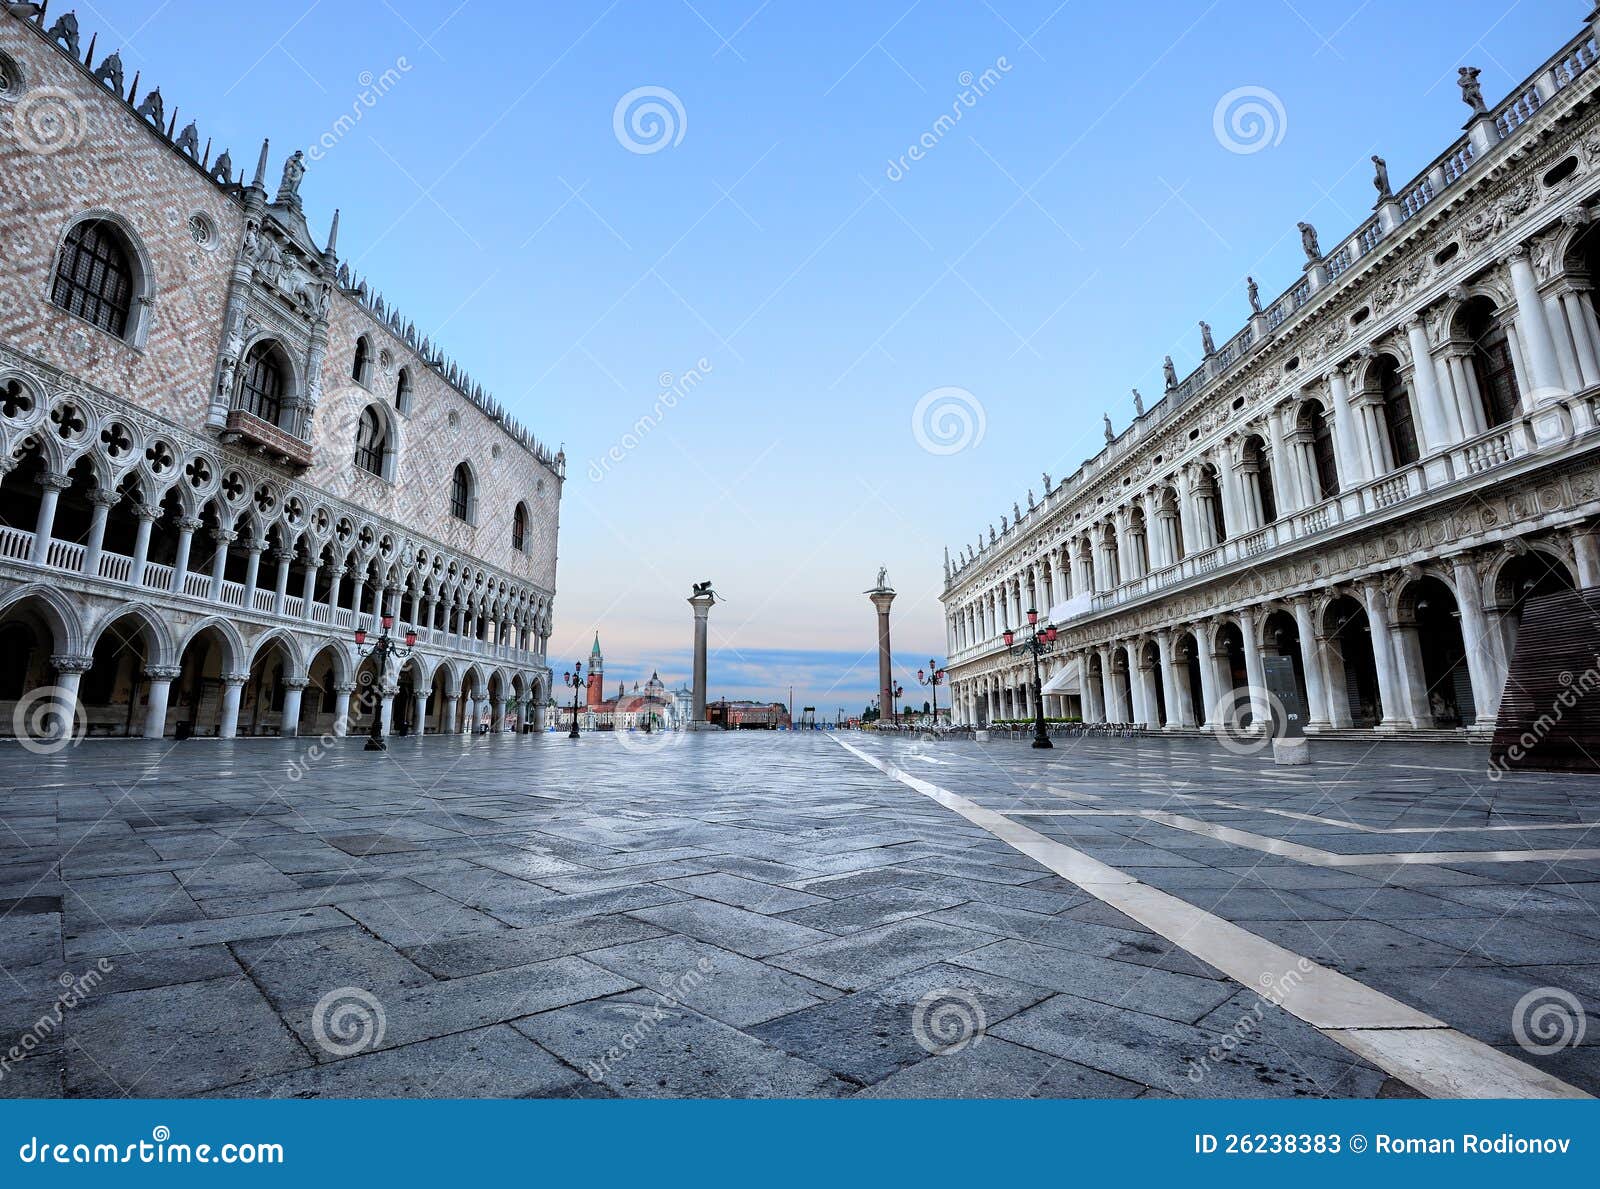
(763,915)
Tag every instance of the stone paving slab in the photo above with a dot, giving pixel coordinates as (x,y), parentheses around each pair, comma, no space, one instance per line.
(762,916)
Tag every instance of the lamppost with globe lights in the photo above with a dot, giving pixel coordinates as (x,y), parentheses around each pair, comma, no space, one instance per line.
(382,648)
(1040,641)
(932,679)
(575,680)
(899,692)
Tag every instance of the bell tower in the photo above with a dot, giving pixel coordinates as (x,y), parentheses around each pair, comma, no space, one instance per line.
(597,674)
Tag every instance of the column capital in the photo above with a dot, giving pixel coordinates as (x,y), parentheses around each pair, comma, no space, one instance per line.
(188,524)
(71,662)
(162,672)
(344,687)
(55,481)
(224,536)
(236,678)
(100,497)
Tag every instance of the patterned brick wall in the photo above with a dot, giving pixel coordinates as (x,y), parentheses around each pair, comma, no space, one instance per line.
(112,161)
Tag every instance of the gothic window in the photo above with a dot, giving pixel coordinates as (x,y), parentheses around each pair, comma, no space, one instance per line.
(1397,413)
(262,390)
(463,497)
(361,366)
(402,391)
(372,442)
(1491,363)
(95,276)
(519,528)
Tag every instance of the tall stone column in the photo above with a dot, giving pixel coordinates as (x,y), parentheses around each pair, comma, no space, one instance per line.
(289,721)
(161,678)
(1486,660)
(103,501)
(1544,369)
(1389,692)
(1311,660)
(51,486)
(228,719)
(341,708)
(1255,671)
(882,596)
(701,601)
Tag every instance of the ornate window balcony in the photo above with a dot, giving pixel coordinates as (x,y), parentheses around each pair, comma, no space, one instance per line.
(244,427)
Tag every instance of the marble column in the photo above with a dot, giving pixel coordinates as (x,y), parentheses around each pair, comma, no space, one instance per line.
(1485,648)
(51,486)
(160,679)
(141,545)
(1255,672)
(1176,716)
(61,722)
(228,717)
(1533,324)
(102,502)
(1312,661)
(289,720)
(882,597)
(341,707)
(701,601)
(1389,694)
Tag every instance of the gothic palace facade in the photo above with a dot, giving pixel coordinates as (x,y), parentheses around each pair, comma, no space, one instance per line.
(1360,489)
(223,455)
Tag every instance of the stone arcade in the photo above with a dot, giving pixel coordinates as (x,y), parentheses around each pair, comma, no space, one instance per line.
(1367,480)
(223,453)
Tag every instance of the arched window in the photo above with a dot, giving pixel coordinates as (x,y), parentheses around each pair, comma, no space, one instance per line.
(263,387)
(1491,362)
(95,276)
(1397,412)
(402,391)
(463,494)
(519,528)
(1327,476)
(372,442)
(361,366)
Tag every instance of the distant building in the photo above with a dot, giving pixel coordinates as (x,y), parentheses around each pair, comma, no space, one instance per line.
(748,716)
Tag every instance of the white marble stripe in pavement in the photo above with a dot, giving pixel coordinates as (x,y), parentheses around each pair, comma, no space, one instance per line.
(1408,1044)
(1315,856)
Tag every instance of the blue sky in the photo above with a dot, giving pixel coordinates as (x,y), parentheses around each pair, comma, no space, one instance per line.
(1043,255)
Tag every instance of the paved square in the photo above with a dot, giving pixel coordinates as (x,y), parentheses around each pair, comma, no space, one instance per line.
(792,915)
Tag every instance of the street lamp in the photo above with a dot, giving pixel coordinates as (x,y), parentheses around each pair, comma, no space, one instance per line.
(899,692)
(935,675)
(575,680)
(382,648)
(1040,642)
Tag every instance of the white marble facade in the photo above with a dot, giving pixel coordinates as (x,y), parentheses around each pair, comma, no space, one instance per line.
(1360,489)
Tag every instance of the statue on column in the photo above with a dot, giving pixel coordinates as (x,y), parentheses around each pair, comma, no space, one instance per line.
(1205,339)
(1170,372)
(1254,292)
(1472,90)
(1138,404)
(1110,434)
(1380,178)
(1047,483)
